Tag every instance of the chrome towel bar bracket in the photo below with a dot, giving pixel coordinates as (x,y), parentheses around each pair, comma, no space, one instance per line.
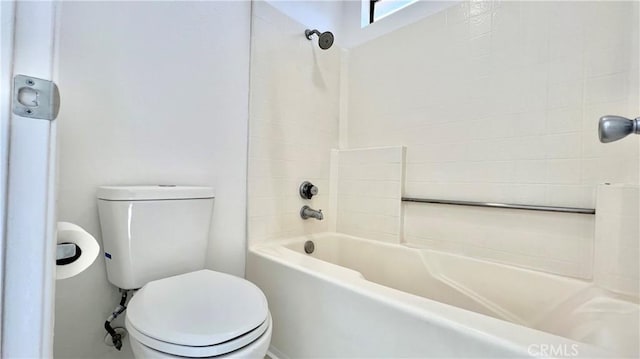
(612,128)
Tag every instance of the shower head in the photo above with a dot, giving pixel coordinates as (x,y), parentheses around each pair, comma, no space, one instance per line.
(325,39)
(612,128)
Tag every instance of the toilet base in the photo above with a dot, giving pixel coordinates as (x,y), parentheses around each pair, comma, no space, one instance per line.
(256,350)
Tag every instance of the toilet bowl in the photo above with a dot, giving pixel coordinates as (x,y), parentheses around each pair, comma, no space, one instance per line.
(155,240)
(201,314)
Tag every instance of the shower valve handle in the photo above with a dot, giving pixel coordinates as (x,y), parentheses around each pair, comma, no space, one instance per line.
(308,190)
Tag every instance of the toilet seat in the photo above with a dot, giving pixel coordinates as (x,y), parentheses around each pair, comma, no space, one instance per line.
(202,313)
(199,351)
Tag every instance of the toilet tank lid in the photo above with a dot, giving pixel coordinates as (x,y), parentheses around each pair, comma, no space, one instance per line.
(157,192)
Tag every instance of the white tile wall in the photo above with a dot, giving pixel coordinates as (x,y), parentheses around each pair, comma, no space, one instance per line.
(499,101)
(494,101)
(550,242)
(294,107)
(617,244)
(369,188)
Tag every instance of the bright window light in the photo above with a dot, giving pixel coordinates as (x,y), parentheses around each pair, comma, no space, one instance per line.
(374,10)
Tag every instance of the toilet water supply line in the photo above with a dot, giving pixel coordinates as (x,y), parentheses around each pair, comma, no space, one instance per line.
(115,337)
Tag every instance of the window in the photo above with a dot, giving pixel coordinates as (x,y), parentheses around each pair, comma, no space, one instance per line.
(378,9)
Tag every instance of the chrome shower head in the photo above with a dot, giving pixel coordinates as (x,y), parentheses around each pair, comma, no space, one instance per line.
(612,128)
(325,39)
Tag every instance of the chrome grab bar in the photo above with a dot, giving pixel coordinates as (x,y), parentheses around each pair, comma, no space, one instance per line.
(502,205)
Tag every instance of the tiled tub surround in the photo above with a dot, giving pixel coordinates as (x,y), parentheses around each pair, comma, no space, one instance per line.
(368,192)
(293,125)
(355,297)
(499,101)
(369,189)
(617,240)
(494,101)
(546,241)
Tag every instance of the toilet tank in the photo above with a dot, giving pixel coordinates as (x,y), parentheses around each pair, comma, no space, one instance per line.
(153,232)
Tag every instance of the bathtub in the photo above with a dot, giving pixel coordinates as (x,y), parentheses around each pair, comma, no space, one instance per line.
(354,297)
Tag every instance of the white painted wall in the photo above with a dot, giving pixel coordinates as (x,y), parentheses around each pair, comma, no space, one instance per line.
(294,122)
(152,92)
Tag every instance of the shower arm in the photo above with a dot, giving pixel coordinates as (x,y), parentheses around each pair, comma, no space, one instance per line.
(308,33)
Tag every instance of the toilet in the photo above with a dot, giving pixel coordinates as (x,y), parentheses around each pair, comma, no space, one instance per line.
(155,241)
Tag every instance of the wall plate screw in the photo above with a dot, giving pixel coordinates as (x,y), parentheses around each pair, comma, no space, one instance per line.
(30,82)
(28,111)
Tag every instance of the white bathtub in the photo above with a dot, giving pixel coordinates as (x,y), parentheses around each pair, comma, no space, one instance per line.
(354,297)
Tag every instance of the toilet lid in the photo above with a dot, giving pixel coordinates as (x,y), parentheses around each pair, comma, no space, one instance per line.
(200,308)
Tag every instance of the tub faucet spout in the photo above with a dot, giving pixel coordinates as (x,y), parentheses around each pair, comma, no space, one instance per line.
(307,212)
